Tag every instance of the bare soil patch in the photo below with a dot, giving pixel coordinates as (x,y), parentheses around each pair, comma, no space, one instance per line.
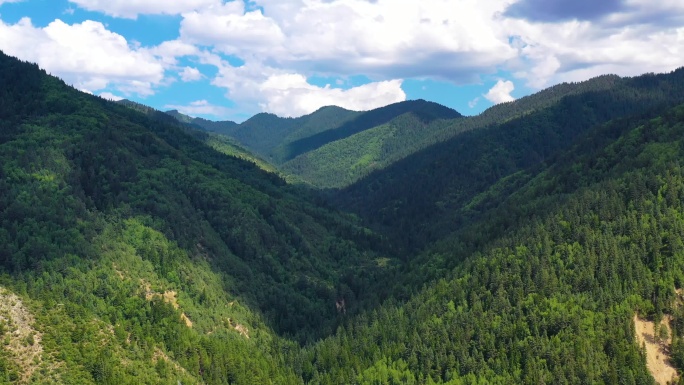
(657,350)
(24,341)
(169,296)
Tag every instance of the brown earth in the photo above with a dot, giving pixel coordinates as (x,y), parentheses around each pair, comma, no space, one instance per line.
(169,296)
(657,352)
(24,341)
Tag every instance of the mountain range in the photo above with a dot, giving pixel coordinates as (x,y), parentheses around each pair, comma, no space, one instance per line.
(538,242)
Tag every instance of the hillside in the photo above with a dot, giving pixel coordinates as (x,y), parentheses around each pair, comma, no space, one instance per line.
(209,132)
(146,247)
(337,157)
(517,250)
(422,111)
(223,127)
(446,176)
(563,263)
(342,162)
(281,139)
(267,134)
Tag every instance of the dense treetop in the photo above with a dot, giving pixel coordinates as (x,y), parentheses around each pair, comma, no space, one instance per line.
(511,247)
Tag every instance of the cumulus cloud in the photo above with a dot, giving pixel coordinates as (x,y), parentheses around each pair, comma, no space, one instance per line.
(169,51)
(190,74)
(577,50)
(111,96)
(285,42)
(132,8)
(200,107)
(231,30)
(291,40)
(288,93)
(436,38)
(86,55)
(542,42)
(292,95)
(501,92)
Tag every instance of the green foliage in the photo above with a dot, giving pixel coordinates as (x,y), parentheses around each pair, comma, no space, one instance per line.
(345,161)
(222,128)
(445,177)
(422,111)
(211,133)
(91,190)
(147,257)
(286,255)
(551,298)
(281,139)
(226,145)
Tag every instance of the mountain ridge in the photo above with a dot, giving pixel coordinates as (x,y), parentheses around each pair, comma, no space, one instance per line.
(515,252)
(454,167)
(280,139)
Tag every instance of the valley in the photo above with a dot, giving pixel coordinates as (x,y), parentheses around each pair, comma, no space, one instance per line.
(407,244)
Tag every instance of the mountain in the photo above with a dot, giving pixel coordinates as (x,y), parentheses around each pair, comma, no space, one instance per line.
(577,252)
(209,132)
(264,133)
(281,139)
(342,162)
(425,196)
(422,110)
(544,246)
(223,127)
(142,255)
(309,147)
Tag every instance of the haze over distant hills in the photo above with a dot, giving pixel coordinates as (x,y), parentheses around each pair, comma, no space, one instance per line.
(524,245)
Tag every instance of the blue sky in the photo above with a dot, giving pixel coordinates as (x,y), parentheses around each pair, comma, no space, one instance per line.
(227,60)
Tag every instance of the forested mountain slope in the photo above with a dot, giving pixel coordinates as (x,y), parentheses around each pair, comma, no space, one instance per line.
(223,127)
(133,244)
(342,162)
(209,132)
(134,253)
(267,134)
(564,259)
(281,139)
(423,197)
(423,111)
(337,157)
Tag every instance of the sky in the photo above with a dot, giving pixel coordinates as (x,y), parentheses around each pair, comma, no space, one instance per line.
(228,60)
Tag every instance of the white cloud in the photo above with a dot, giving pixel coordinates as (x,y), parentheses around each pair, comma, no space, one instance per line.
(231,30)
(454,41)
(288,93)
(473,102)
(292,95)
(285,42)
(132,8)
(110,96)
(293,40)
(646,37)
(169,51)
(86,55)
(9,1)
(190,74)
(201,107)
(435,38)
(501,92)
